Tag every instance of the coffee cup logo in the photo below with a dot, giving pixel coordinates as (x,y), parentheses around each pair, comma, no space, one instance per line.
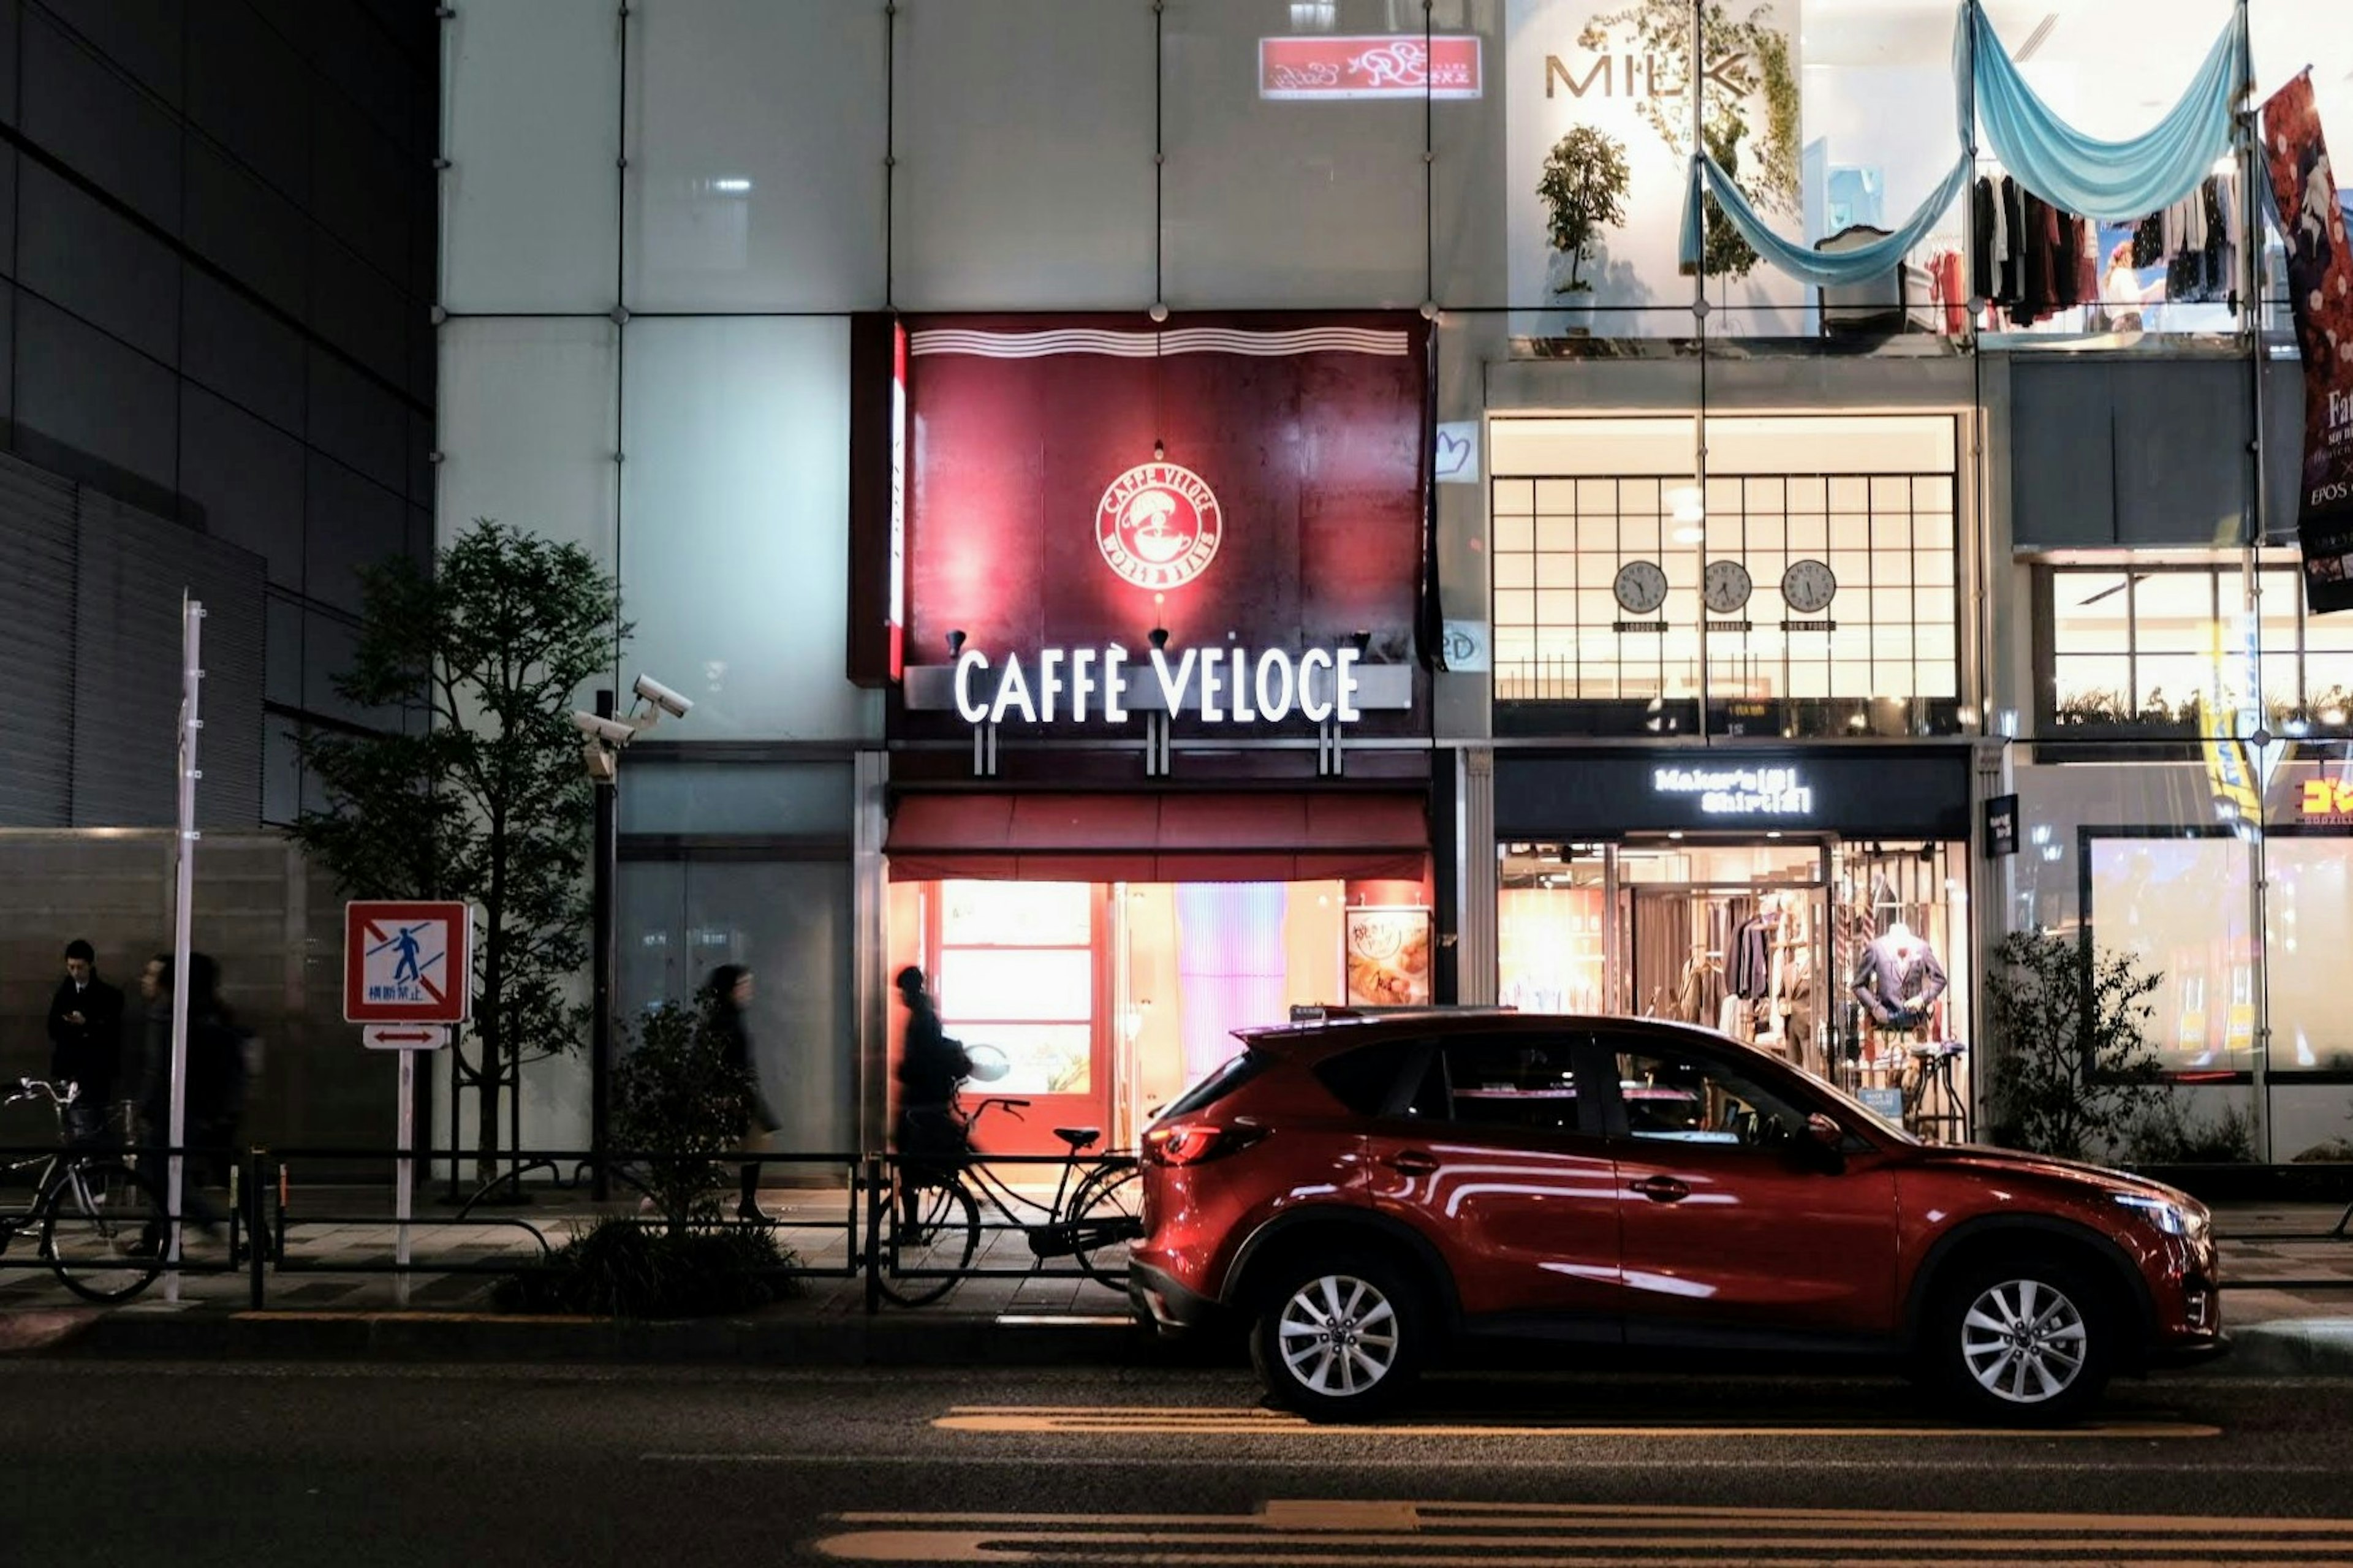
(1158,525)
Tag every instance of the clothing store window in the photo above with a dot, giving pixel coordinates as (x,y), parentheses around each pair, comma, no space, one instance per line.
(1808,587)
(2171,649)
(1846,958)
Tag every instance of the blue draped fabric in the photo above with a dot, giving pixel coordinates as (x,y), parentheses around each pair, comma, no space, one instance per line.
(2113,181)
(1823,268)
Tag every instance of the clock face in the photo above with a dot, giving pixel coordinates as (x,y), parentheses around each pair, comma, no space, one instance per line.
(1641,587)
(1809,586)
(1726,586)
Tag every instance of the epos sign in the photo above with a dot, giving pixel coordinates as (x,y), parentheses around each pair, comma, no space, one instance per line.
(1218,684)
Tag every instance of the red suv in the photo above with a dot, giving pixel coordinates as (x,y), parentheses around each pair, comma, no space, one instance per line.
(1365,1193)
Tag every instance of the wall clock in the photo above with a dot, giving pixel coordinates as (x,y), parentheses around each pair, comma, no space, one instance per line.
(1726,586)
(1809,586)
(1641,587)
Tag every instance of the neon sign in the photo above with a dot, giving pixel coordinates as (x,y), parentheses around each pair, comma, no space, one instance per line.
(1739,792)
(1218,685)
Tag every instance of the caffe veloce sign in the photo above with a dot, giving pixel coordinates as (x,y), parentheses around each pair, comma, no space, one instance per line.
(1237,484)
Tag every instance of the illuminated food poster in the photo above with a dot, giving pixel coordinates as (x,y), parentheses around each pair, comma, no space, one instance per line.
(1388,957)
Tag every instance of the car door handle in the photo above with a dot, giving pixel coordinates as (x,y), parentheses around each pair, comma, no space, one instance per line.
(1411,1162)
(1663,1189)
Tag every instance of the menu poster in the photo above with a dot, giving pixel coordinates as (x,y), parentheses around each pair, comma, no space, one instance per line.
(1388,957)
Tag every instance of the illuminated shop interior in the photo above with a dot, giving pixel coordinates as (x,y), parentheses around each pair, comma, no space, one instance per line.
(1764,940)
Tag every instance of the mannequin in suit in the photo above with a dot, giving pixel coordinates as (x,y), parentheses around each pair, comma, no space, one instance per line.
(1898,979)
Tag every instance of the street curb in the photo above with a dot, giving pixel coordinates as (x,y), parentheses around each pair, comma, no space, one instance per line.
(929,1341)
(2312,1346)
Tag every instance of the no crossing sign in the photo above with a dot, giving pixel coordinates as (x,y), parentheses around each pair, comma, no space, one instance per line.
(408,962)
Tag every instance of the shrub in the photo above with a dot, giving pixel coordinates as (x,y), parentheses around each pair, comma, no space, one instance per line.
(2074,1069)
(623,1268)
(674,1096)
(2164,1135)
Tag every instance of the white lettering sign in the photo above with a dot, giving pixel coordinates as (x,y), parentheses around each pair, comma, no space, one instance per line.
(1739,792)
(1217,686)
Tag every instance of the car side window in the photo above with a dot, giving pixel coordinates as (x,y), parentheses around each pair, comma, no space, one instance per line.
(1669,1095)
(1524,1081)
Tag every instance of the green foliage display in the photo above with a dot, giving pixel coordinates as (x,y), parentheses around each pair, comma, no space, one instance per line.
(1584,187)
(480,796)
(2073,1069)
(675,1095)
(2164,1135)
(621,1269)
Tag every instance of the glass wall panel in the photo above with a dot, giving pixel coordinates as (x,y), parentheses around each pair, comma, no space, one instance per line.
(734,522)
(527,429)
(1270,197)
(1023,174)
(790,924)
(756,138)
(531,127)
(803,799)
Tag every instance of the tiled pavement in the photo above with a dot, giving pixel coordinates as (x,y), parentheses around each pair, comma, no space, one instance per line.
(343,1232)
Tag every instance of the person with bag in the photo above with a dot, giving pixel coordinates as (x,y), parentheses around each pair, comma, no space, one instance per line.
(726,996)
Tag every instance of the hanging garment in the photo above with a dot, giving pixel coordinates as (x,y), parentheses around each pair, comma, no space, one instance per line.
(1752,959)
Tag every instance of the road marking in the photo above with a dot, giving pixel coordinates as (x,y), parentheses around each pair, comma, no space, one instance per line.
(1193,1422)
(1543,1463)
(1327,1533)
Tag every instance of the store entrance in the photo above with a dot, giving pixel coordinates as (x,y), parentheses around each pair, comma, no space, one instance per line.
(1844,957)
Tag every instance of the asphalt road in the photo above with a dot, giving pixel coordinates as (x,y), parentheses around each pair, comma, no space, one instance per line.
(154,1464)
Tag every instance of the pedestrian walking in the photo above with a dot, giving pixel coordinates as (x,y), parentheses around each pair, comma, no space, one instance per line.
(727,996)
(930,1135)
(86,1042)
(215,1097)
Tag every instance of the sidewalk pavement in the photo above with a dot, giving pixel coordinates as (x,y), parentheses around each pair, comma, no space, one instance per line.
(1019,1316)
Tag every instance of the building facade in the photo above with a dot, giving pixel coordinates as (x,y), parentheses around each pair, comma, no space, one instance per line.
(917,366)
(217,378)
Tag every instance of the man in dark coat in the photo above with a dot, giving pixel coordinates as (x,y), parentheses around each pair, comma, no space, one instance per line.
(86,1041)
(932,1068)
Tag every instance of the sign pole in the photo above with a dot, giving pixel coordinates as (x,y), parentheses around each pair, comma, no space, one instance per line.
(403,1183)
(191,675)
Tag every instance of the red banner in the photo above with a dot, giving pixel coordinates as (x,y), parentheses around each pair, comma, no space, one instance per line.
(1076,481)
(1404,65)
(2320,286)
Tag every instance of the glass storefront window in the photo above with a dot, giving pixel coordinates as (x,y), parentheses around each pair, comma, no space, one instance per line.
(1815,572)
(2308,930)
(1017,973)
(2168,903)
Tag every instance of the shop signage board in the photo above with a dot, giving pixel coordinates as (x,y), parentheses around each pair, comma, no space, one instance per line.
(1620,67)
(1216,685)
(2001,827)
(2320,289)
(408,962)
(1388,956)
(1738,792)
(1381,65)
(1916,793)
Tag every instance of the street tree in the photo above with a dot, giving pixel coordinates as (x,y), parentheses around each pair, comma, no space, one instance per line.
(478,793)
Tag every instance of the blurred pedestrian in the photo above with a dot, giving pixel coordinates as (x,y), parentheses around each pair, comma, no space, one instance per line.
(215,1076)
(930,1134)
(86,1042)
(727,996)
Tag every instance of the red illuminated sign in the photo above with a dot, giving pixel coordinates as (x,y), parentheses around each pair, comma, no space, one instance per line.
(1158,525)
(1393,66)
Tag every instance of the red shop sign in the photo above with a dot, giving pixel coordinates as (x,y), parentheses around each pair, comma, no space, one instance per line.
(1404,65)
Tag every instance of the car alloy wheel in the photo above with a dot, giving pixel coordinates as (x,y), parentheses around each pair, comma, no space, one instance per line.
(1338,1336)
(2024,1341)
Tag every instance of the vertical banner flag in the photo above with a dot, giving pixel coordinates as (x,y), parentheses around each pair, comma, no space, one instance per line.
(2320,286)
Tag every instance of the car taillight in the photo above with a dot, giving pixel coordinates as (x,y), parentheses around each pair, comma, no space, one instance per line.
(1190,1142)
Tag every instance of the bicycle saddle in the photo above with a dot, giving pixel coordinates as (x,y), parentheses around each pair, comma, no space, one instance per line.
(1077,1138)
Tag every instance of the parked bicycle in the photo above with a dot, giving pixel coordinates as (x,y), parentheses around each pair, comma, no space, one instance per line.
(98,1218)
(1094,1226)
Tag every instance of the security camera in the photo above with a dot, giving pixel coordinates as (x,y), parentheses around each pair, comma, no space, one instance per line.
(612,731)
(663,697)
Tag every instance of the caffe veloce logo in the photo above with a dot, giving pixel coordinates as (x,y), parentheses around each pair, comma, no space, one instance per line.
(1158,525)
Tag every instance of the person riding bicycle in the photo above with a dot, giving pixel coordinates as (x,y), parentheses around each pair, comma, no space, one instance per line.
(930,1136)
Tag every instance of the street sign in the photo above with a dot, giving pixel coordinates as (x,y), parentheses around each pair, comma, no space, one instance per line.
(405,1037)
(408,962)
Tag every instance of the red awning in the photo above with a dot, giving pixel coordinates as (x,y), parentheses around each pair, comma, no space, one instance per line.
(1236,838)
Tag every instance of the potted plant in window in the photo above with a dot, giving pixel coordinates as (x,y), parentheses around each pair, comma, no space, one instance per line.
(1584,187)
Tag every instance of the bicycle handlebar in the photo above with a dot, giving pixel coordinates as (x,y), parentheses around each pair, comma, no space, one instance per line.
(1013,1108)
(28,1088)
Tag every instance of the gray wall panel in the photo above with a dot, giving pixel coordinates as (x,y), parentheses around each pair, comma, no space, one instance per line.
(37,607)
(95,120)
(107,412)
(78,252)
(2062,455)
(241,351)
(246,477)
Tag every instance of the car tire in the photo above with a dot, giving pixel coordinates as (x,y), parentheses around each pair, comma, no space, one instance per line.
(1340,1337)
(2028,1341)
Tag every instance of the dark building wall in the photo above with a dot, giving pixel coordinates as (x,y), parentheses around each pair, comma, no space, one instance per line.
(217,231)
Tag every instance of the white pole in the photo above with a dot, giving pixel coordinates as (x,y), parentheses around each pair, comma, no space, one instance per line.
(405,1175)
(191,675)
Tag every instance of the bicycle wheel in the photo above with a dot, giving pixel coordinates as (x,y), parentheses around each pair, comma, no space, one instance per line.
(923,1264)
(1107,1220)
(100,1230)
